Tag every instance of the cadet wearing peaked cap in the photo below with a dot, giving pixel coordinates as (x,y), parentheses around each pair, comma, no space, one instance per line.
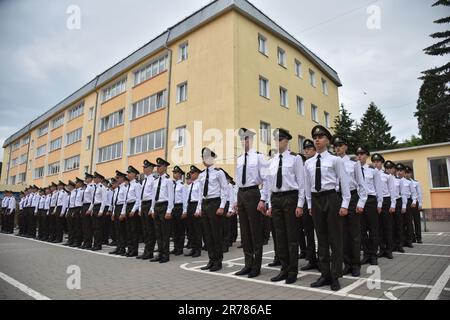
(307,144)
(147,223)
(411,209)
(389,164)
(179,170)
(179,208)
(120,174)
(377,157)
(362,150)
(86,212)
(132,169)
(286,196)
(324,174)
(245,133)
(194,169)
(318,131)
(208,153)
(148,164)
(251,173)
(88,176)
(160,162)
(99,176)
(62,184)
(417,234)
(130,210)
(78,180)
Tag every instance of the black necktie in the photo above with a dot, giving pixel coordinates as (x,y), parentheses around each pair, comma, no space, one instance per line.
(364,176)
(280,173)
(126,197)
(117,196)
(244,171)
(158,190)
(190,193)
(205,189)
(318,183)
(93,197)
(143,188)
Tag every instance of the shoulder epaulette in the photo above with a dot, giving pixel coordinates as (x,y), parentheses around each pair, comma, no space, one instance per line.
(372,167)
(294,154)
(217,169)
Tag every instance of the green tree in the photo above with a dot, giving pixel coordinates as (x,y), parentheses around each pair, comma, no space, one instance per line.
(373,131)
(344,126)
(411,142)
(433,105)
(433,111)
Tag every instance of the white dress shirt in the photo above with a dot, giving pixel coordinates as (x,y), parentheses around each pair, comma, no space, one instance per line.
(332,172)
(41,205)
(194,190)
(387,188)
(166,193)
(22,203)
(89,193)
(48,199)
(181,194)
(120,196)
(293,176)
(373,181)
(11,205)
(217,186)
(356,179)
(99,197)
(147,188)
(79,198)
(409,190)
(72,198)
(256,172)
(54,198)
(419,194)
(62,201)
(133,195)
(109,200)
(35,202)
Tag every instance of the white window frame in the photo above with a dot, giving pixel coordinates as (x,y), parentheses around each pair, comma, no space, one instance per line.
(149,105)
(182,94)
(264,87)
(312,78)
(112,120)
(88,142)
(324,86)
(43,130)
(150,70)
(41,151)
(114,90)
(111,152)
(284,97)
(72,163)
(39,173)
(430,175)
(282,57)
(21,177)
(314,113)
(148,142)
(52,148)
(55,165)
(74,136)
(180,137)
(58,121)
(300,106)
(183,51)
(76,112)
(298,69)
(265,133)
(262,45)
(91,113)
(327,119)
(301,141)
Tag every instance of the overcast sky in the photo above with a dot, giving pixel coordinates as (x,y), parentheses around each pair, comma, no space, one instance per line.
(42,61)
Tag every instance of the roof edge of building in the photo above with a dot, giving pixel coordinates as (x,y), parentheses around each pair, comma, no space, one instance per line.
(442,144)
(218,7)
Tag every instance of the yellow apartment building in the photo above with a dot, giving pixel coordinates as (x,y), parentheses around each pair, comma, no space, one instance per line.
(226,66)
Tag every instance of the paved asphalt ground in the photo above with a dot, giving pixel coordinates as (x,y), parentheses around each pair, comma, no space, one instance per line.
(30,269)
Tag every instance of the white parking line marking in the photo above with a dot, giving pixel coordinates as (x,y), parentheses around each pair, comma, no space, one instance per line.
(432,244)
(65,247)
(278,284)
(439,285)
(422,254)
(25,289)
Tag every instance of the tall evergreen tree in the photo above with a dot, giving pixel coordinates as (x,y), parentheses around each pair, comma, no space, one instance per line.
(373,131)
(433,111)
(433,105)
(344,126)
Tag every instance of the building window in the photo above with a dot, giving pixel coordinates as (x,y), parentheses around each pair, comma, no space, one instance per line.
(114,90)
(16,146)
(21,177)
(88,142)
(149,105)
(181,137)
(91,114)
(23,159)
(182,91)
(324,87)
(301,141)
(14,162)
(111,152)
(150,70)
(55,144)
(53,168)
(283,97)
(312,78)
(25,141)
(264,87)
(86,169)
(12,180)
(72,163)
(148,142)
(262,45)
(43,130)
(314,113)
(265,132)
(300,106)
(38,173)
(298,69)
(40,151)
(111,121)
(74,136)
(440,172)
(281,57)
(58,122)
(183,52)
(76,111)
(327,119)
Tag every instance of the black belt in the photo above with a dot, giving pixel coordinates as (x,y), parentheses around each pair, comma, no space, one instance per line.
(162,203)
(193,202)
(323,193)
(97,205)
(210,200)
(248,189)
(146,202)
(285,193)
(386,198)
(352,193)
(178,205)
(371,197)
